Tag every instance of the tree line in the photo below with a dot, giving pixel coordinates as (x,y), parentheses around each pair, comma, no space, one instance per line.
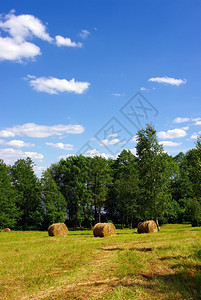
(82,191)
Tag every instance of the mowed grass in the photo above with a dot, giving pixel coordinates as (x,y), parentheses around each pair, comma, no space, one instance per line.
(164,265)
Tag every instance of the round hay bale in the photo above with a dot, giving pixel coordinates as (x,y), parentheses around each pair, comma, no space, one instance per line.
(147,227)
(104,229)
(59,229)
(6,230)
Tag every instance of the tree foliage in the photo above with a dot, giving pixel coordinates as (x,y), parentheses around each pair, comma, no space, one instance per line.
(83,190)
(9,213)
(27,185)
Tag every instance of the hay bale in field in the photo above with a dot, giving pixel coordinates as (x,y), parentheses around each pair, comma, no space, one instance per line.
(6,230)
(104,229)
(147,227)
(58,229)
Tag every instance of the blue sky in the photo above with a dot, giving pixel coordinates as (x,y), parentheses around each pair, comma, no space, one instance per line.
(84,76)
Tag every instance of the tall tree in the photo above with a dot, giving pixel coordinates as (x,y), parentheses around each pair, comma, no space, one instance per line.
(9,213)
(156,169)
(71,175)
(27,185)
(53,202)
(126,185)
(99,182)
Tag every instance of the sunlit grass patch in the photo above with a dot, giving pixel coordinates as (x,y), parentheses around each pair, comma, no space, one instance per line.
(163,265)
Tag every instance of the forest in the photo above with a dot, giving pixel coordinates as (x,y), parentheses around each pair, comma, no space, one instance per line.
(82,191)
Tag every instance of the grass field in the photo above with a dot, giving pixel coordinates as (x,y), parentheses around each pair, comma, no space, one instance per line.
(164,265)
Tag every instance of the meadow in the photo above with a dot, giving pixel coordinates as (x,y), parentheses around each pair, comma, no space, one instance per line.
(163,265)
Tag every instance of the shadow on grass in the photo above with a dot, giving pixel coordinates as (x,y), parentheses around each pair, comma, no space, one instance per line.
(130,249)
(173,286)
(187,285)
(174,257)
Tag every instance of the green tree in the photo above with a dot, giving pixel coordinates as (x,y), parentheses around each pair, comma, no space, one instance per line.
(9,213)
(53,202)
(27,185)
(71,176)
(193,212)
(156,170)
(99,182)
(193,157)
(126,185)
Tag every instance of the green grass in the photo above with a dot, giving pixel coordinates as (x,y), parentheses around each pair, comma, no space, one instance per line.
(164,265)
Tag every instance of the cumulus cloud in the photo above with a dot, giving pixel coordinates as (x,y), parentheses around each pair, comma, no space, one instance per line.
(52,85)
(84,34)
(60,146)
(109,142)
(168,80)
(169,143)
(16,144)
(20,28)
(40,131)
(13,51)
(24,26)
(10,155)
(61,41)
(172,133)
(181,120)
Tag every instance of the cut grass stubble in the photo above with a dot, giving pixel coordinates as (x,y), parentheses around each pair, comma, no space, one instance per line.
(164,265)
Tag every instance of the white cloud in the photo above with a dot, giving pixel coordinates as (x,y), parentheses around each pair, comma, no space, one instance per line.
(109,142)
(133,151)
(60,146)
(95,152)
(144,89)
(53,85)
(10,155)
(168,80)
(112,134)
(40,131)
(169,143)
(16,144)
(15,47)
(117,94)
(194,136)
(61,41)
(172,133)
(181,120)
(10,50)
(84,34)
(24,26)
(197,121)
(134,139)
(185,128)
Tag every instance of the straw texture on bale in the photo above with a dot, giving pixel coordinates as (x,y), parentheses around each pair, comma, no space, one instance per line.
(6,230)
(59,229)
(147,227)
(104,229)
